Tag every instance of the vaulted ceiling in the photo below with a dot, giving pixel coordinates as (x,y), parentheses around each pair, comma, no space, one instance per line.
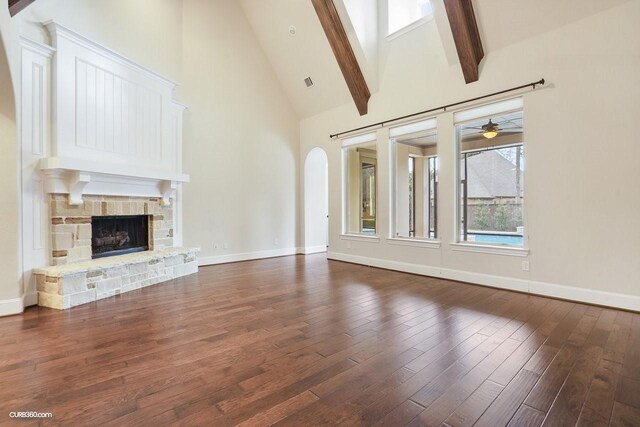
(295,57)
(308,54)
(297,47)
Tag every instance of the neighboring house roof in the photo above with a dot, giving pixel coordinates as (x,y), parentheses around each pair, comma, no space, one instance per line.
(490,175)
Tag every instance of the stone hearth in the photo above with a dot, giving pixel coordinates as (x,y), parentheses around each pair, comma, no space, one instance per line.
(69,285)
(75,278)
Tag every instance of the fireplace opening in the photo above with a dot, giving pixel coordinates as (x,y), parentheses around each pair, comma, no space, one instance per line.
(117,235)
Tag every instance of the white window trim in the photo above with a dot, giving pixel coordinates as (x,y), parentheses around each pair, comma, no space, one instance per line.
(415,242)
(490,249)
(431,123)
(355,140)
(479,112)
(415,126)
(404,30)
(359,139)
(471,115)
(354,237)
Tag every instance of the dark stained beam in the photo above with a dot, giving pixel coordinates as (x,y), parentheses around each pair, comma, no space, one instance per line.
(337,36)
(16,6)
(466,36)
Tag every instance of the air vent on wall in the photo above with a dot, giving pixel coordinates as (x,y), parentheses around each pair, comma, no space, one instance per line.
(308,82)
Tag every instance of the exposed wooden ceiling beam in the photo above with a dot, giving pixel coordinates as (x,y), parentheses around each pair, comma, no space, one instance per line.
(337,36)
(466,36)
(16,6)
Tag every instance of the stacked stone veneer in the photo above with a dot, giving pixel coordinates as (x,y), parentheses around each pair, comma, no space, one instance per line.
(76,279)
(71,225)
(69,285)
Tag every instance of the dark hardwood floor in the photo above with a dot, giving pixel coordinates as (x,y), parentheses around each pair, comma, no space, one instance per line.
(303,341)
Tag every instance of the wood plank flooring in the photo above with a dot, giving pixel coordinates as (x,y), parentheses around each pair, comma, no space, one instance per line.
(299,341)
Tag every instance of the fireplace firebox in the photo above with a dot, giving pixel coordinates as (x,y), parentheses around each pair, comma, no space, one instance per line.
(117,235)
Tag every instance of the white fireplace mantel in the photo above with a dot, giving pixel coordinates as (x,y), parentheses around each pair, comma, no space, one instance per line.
(78,177)
(117,131)
(94,123)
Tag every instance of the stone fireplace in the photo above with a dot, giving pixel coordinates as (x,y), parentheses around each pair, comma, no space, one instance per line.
(75,229)
(107,246)
(102,173)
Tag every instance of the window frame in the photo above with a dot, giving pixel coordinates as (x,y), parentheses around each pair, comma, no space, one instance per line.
(492,109)
(373,161)
(350,142)
(393,238)
(409,27)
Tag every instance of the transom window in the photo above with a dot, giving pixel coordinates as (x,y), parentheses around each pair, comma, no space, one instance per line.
(403,13)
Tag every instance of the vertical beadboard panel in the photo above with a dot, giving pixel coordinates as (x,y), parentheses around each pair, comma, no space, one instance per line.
(117,116)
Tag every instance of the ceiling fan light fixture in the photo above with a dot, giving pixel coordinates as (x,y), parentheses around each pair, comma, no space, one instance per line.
(490,130)
(490,133)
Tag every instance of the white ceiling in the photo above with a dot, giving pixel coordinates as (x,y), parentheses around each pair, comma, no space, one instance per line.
(295,57)
(502,23)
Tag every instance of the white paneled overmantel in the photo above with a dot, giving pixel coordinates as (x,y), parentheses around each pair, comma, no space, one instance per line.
(117,130)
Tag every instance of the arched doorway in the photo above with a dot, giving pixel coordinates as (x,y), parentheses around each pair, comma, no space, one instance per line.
(316,201)
(11,290)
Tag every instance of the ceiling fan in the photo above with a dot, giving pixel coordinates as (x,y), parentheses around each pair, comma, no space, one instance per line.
(491,129)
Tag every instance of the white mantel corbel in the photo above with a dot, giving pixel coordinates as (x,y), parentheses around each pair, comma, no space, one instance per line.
(79,177)
(168,190)
(77,183)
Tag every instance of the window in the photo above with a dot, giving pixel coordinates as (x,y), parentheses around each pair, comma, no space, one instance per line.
(361,187)
(415,168)
(491,179)
(403,13)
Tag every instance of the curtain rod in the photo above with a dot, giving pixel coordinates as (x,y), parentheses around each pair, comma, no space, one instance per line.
(444,107)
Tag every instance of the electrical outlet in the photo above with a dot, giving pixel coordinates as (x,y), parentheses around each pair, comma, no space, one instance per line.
(525,265)
(215,246)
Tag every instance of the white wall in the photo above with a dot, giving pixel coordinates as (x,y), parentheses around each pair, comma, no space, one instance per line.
(240,140)
(581,191)
(10,285)
(316,201)
(147,31)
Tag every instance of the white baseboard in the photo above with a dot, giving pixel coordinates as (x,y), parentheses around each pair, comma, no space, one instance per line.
(12,306)
(589,296)
(223,259)
(30,299)
(312,250)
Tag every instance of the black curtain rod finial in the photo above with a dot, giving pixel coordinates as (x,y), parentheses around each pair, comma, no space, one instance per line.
(533,85)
